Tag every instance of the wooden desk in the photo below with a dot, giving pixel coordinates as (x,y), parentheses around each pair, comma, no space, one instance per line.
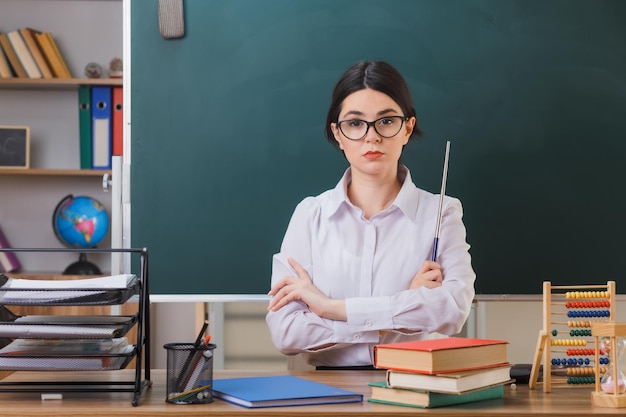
(520,402)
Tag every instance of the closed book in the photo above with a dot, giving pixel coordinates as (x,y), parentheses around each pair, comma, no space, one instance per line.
(54,44)
(5,68)
(382,393)
(16,65)
(450,382)
(84,126)
(24,55)
(53,59)
(441,355)
(8,260)
(279,391)
(33,46)
(118,121)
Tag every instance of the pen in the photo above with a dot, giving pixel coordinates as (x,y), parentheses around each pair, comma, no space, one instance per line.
(441,195)
(199,365)
(197,344)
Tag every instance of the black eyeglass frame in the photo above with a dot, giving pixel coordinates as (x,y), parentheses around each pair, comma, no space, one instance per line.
(373,124)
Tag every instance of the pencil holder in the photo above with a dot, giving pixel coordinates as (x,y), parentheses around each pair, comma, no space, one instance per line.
(189,373)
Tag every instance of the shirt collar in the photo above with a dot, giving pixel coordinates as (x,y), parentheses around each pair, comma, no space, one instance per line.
(406,200)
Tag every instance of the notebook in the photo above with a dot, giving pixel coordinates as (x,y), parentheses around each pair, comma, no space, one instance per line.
(279,391)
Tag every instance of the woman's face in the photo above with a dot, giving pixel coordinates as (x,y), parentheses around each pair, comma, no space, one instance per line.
(372,154)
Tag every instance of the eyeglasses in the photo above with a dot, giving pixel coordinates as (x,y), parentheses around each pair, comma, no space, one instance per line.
(386,127)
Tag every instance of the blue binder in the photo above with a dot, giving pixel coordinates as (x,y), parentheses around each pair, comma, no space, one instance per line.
(101,127)
(280,391)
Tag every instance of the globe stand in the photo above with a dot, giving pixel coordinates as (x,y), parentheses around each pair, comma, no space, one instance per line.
(82,267)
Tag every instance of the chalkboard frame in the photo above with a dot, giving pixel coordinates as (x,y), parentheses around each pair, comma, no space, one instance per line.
(530,101)
(14,147)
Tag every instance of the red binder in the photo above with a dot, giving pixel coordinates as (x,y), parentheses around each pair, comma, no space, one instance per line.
(118,121)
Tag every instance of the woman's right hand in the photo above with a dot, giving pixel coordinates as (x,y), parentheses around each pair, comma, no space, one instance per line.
(301,288)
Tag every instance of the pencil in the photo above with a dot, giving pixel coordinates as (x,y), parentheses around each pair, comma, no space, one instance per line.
(184,395)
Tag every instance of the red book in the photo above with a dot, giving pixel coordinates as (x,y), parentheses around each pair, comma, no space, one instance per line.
(434,356)
(118,120)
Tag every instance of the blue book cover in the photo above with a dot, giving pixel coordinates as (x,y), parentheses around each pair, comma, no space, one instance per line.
(101,127)
(279,391)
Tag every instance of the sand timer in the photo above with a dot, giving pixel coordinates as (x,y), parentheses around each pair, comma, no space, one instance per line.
(610,338)
(613,379)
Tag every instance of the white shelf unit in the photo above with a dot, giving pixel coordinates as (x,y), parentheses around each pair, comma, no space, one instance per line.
(86,31)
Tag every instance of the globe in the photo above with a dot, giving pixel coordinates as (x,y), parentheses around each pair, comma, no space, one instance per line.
(80,222)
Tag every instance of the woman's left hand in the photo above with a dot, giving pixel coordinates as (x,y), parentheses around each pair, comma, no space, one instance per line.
(301,288)
(429,276)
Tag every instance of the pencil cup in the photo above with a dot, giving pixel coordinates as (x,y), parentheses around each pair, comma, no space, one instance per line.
(189,373)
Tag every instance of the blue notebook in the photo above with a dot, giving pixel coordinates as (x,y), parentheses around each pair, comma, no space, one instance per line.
(279,391)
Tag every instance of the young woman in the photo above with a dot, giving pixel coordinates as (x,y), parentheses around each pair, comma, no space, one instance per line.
(354,267)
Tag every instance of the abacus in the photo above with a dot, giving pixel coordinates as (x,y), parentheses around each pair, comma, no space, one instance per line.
(566,343)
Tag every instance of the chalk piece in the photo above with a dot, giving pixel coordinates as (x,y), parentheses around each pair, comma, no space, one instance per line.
(51,396)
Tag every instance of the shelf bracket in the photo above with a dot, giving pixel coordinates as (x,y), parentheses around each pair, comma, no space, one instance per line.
(106,182)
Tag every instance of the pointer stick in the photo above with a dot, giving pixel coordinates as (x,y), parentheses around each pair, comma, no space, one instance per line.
(443,192)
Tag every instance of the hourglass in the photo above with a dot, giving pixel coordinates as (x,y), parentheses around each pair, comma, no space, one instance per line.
(613,379)
(610,338)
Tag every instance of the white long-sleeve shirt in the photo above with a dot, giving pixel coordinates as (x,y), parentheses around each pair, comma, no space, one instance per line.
(370,264)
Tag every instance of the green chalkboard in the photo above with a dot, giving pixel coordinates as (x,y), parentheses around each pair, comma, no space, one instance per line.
(227,130)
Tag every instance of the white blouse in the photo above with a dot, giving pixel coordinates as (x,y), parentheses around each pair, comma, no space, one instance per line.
(370,263)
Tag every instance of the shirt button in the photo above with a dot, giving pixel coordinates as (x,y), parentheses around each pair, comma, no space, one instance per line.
(357,336)
(368,323)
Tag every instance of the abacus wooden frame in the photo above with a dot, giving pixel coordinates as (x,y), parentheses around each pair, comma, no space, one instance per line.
(544,341)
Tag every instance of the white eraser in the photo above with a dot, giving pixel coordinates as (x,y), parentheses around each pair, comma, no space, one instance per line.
(51,396)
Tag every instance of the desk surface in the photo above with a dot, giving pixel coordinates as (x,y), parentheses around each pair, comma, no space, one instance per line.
(520,402)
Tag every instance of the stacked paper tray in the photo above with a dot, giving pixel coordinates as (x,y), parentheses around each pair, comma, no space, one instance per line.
(78,362)
(94,291)
(66,327)
(66,354)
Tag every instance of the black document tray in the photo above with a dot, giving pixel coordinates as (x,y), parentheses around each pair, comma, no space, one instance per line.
(75,362)
(71,297)
(120,324)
